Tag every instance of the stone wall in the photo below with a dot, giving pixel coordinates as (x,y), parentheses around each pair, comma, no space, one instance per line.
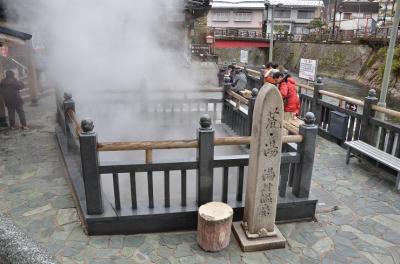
(257,56)
(358,63)
(343,61)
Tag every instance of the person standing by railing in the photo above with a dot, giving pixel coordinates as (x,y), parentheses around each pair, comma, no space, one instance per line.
(9,89)
(287,87)
(240,81)
(271,68)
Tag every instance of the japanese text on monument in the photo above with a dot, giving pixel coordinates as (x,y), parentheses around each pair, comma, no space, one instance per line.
(271,150)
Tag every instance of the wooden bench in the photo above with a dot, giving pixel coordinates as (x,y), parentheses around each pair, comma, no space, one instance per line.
(376,154)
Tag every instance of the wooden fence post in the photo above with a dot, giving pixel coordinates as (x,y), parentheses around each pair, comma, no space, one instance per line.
(205,159)
(316,106)
(251,104)
(68,104)
(306,149)
(90,168)
(227,86)
(368,133)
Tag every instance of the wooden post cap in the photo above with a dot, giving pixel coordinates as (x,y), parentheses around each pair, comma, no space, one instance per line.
(214,226)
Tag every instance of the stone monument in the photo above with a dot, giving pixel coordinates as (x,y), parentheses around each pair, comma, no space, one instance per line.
(258,230)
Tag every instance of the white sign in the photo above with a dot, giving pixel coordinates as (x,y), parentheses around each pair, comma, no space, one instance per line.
(308,69)
(244,56)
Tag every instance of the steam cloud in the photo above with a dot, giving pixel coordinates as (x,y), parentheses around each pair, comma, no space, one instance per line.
(102,45)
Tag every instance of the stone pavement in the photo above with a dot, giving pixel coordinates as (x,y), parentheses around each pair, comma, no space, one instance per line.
(35,195)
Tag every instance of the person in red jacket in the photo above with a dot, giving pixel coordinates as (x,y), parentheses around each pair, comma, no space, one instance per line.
(287,88)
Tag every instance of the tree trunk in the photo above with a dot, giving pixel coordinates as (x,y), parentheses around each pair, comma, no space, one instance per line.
(214,226)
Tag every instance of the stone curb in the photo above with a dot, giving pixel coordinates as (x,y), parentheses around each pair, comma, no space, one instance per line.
(17,248)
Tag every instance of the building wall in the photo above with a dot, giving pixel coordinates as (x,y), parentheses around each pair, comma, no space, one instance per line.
(296,23)
(257,56)
(291,19)
(256,18)
(362,24)
(357,15)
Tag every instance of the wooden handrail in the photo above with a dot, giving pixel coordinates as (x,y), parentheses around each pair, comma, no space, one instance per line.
(145,145)
(386,111)
(238,97)
(251,71)
(178,144)
(291,128)
(72,117)
(254,72)
(305,86)
(202,90)
(343,98)
(233,141)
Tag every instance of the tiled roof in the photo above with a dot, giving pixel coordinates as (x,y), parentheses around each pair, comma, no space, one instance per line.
(259,4)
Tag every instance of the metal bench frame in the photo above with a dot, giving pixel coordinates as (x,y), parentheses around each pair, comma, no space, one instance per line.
(376,154)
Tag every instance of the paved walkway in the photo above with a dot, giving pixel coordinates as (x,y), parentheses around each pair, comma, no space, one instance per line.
(34,194)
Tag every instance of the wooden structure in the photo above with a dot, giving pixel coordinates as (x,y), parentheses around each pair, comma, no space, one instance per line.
(330,111)
(214,226)
(16,53)
(178,209)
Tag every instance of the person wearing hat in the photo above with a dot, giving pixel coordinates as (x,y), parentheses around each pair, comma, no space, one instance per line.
(9,89)
(239,81)
(287,87)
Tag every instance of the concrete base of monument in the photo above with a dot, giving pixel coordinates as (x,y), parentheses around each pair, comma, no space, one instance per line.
(257,244)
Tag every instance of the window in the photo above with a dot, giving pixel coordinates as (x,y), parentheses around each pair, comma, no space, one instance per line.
(305,14)
(282,13)
(346,16)
(301,30)
(281,28)
(243,16)
(222,16)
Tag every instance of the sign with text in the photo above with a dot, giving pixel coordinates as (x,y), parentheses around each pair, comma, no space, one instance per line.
(201,49)
(308,69)
(244,56)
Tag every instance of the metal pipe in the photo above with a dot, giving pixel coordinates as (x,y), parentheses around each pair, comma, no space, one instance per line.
(358,18)
(389,58)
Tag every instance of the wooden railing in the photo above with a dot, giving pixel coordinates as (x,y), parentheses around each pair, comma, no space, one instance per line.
(236,33)
(186,144)
(355,125)
(70,113)
(294,161)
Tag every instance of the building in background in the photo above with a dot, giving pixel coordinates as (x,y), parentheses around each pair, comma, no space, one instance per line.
(294,16)
(246,17)
(386,12)
(356,18)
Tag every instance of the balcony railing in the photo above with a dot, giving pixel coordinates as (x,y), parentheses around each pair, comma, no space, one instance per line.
(236,33)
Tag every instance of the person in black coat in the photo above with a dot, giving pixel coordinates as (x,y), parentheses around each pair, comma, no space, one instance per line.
(9,89)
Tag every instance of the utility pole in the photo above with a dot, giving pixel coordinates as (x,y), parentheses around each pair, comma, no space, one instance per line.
(358,18)
(271,45)
(266,20)
(389,58)
(334,19)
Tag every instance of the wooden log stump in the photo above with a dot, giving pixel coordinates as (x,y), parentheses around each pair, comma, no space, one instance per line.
(214,226)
